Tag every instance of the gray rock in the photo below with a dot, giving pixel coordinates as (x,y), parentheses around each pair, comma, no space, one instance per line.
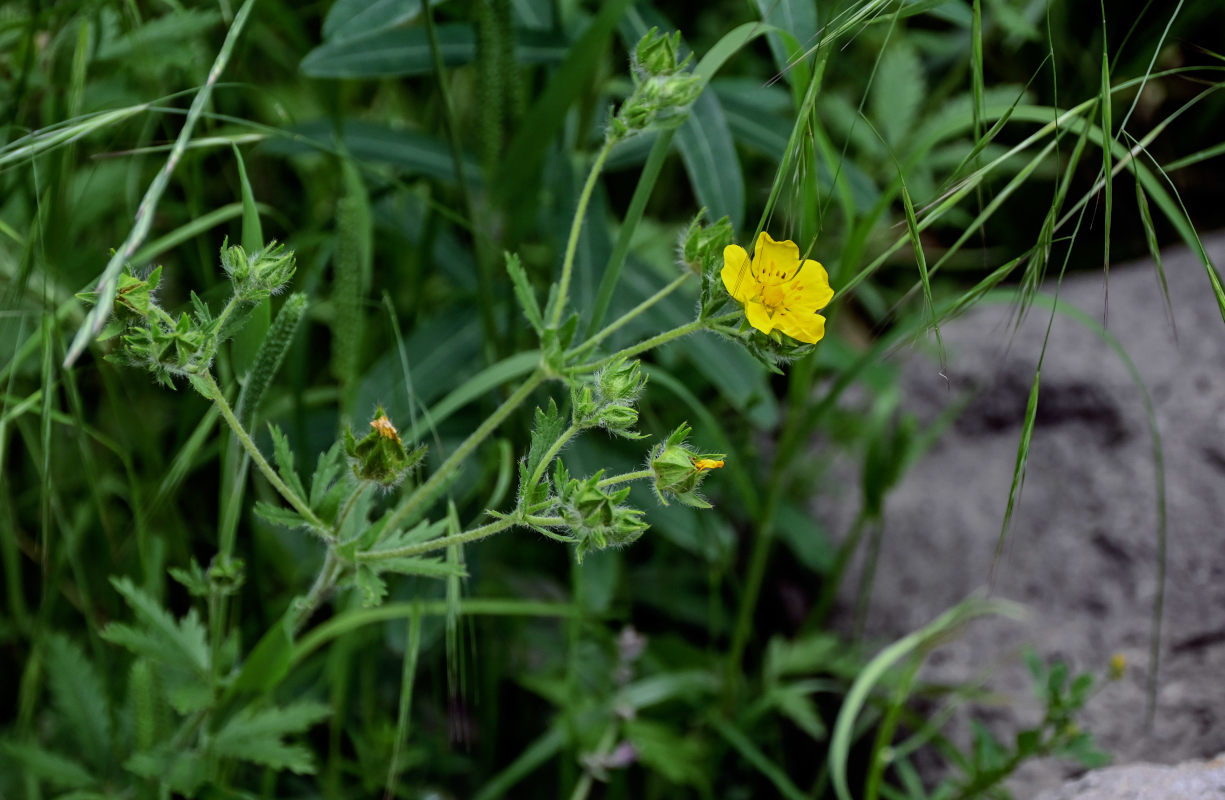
(1082,549)
(1193,780)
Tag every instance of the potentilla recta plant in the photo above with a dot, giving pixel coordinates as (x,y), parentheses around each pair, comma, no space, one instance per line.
(370,501)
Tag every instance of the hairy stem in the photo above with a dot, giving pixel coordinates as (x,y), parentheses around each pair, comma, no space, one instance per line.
(590,344)
(425,493)
(463,537)
(580,211)
(218,397)
(626,477)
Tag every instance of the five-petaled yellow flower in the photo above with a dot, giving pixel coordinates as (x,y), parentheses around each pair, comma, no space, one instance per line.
(779,290)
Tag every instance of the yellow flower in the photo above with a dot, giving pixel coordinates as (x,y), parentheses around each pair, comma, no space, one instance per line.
(778,289)
(707,463)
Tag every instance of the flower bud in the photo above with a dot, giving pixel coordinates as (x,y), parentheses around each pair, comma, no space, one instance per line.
(260,274)
(380,457)
(621,381)
(679,471)
(656,53)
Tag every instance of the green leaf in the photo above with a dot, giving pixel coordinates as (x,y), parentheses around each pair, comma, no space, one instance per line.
(547,429)
(80,699)
(710,158)
(426,567)
(524,291)
(180,771)
(268,663)
(400,52)
(372,587)
(897,91)
(256,736)
(247,339)
(284,460)
(327,469)
(371,143)
(279,515)
(679,759)
(348,19)
(55,769)
(183,643)
(794,703)
(797,17)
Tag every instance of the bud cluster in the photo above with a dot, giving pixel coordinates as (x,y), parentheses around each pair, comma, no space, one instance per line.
(663,89)
(595,516)
(185,346)
(610,404)
(256,276)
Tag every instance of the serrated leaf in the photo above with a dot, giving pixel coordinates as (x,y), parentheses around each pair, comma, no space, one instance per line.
(523,290)
(56,769)
(181,772)
(284,460)
(372,587)
(426,567)
(548,427)
(327,468)
(80,699)
(421,532)
(897,91)
(256,736)
(184,643)
(279,515)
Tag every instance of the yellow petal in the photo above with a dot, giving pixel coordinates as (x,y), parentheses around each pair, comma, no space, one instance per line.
(737,277)
(802,327)
(758,317)
(815,280)
(773,261)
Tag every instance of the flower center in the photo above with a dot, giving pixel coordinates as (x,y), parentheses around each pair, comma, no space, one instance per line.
(773,296)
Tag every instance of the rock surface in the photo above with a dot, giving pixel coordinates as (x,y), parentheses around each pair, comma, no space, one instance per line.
(1193,780)
(1082,550)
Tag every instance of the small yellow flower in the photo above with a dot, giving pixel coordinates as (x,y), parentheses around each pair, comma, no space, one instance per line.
(385,429)
(779,290)
(707,463)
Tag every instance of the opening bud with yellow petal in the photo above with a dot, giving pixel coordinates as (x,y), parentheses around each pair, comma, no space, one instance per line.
(380,457)
(679,471)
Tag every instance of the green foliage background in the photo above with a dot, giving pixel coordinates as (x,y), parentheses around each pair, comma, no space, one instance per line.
(906,145)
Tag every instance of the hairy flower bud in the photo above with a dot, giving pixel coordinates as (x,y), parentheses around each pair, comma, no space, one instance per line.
(679,471)
(380,457)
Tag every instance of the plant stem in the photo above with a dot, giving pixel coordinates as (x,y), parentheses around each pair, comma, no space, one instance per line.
(349,504)
(625,477)
(588,345)
(298,504)
(656,341)
(463,537)
(324,582)
(428,490)
(580,211)
(583,787)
